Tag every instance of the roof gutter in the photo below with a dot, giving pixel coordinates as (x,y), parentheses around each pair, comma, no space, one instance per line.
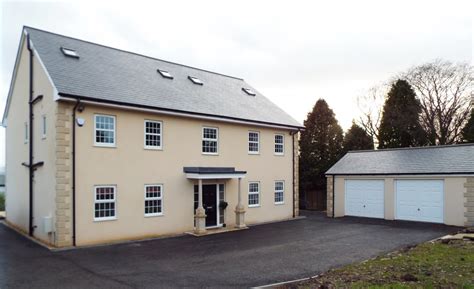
(403,174)
(170,111)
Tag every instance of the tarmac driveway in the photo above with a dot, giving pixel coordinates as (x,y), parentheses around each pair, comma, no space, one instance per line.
(261,255)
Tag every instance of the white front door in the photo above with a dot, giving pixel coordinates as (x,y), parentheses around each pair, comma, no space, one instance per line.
(364,198)
(419,200)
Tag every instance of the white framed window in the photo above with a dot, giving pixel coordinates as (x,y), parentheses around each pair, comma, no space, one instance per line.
(254,142)
(153,134)
(210,140)
(279,144)
(104,130)
(27,133)
(43,126)
(254,194)
(105,203)
(279,192)
(153,200)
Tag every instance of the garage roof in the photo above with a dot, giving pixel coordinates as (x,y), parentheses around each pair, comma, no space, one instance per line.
(449,159)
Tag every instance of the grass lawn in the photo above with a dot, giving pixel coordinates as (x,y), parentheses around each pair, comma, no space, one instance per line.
(428,265)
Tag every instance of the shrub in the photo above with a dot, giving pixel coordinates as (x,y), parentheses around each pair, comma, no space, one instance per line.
(2,202)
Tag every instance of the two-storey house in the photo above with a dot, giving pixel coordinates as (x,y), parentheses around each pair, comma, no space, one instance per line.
(104,145)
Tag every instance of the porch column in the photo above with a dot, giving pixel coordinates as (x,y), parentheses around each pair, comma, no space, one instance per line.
(240,210)
(200,216)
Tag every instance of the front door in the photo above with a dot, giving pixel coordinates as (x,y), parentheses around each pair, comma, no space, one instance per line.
(209,202)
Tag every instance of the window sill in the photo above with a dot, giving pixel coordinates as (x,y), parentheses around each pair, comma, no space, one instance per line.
(153,148)
(254,206)
(279,203)
(254,153)
(105,146)
(279,155)
(154,215)
(210,154)
(105,219)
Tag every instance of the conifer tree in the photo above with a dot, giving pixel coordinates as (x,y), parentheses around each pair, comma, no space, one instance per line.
(468,129)
(320,147)
(357,138)
(400,125)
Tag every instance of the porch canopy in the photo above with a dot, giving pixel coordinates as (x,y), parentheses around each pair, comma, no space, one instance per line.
(206,173)
(212,173)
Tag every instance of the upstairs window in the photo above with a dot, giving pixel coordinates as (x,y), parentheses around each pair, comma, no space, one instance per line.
(210,140)
(104,203)
(153,200)
(254,138)
(279,144)
(165,73)
(195,80)
(104,130)
(152,134)
(69,52)
(254,194)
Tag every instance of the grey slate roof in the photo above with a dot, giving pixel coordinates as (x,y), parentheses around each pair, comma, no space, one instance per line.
(118,76)
(449,159)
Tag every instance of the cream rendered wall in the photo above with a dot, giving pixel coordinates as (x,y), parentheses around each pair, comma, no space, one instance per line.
(454,203)
(129,166)
(16,185)
(44,150)
(453,195)
(17,151)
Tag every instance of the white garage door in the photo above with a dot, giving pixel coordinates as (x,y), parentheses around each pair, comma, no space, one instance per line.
(419,200)
(364,198)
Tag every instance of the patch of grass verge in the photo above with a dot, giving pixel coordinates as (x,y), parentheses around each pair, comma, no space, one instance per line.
(429,265)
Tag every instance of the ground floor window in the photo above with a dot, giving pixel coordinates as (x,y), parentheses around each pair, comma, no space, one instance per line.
(153,200)
(279,192)
(254,194)
(104,203)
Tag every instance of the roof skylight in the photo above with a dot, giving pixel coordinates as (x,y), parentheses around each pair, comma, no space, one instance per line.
(195,80)
(165,73)
(69,52)
(249,91)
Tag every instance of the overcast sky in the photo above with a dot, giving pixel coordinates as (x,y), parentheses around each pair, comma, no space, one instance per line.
(294,52)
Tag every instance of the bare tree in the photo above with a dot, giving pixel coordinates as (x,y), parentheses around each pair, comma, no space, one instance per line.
(444,90)
(370,105)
